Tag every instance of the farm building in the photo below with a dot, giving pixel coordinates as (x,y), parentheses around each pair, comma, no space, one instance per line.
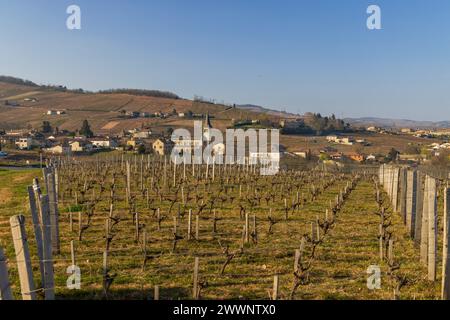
(59,149)
(24,143)
(163,146)
(80,146)
(104,143)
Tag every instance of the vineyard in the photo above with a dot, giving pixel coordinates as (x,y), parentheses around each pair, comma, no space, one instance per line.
(141,227)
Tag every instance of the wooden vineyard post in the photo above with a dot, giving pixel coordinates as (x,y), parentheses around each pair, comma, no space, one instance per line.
(318,228)
(158,217)
(424,225)
(214,222)
(136,227)
(445,294)
(72,252)
(411,190)
(45,173)
(156,294)
(47,244)
(419,209)
(107,228)
(302,247)
(285,209)
(255,229)
(403,192)
(23,257)
(389,181)
(105,263)
(5,289)
(71,221)
(80,225)
(297,258)
(195,293)
(37,230)
(432,230)
(395,187)
(391,250)
(247,233)
(106,279)
(275,288)
(381,245)
(313,231)
(197,226)
(189,231)
(144,242)
(141,173)
(54,214)
(128,195)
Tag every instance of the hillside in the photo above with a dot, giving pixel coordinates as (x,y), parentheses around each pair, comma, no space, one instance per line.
(103,110)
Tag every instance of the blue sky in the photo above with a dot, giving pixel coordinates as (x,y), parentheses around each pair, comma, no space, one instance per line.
(298,56)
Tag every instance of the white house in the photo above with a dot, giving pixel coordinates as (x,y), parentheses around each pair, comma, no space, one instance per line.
(24,143)
(104,143)
(59,149)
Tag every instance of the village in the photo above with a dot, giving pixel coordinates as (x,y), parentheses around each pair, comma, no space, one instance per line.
(47,141)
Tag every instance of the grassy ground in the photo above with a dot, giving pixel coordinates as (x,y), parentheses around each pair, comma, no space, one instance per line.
(338,273)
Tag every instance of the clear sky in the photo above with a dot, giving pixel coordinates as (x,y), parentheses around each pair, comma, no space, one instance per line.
(298,56)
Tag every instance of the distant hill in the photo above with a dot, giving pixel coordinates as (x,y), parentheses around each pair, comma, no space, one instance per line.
(14,80)
(396,123)
(136,92)
(28,104)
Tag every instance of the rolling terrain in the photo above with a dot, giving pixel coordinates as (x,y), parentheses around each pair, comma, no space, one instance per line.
(104,111)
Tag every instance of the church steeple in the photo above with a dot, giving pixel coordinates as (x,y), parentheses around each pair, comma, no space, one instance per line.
(207,123)
(206,127)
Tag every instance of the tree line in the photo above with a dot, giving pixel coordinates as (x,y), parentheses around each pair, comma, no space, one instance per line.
(142,92)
